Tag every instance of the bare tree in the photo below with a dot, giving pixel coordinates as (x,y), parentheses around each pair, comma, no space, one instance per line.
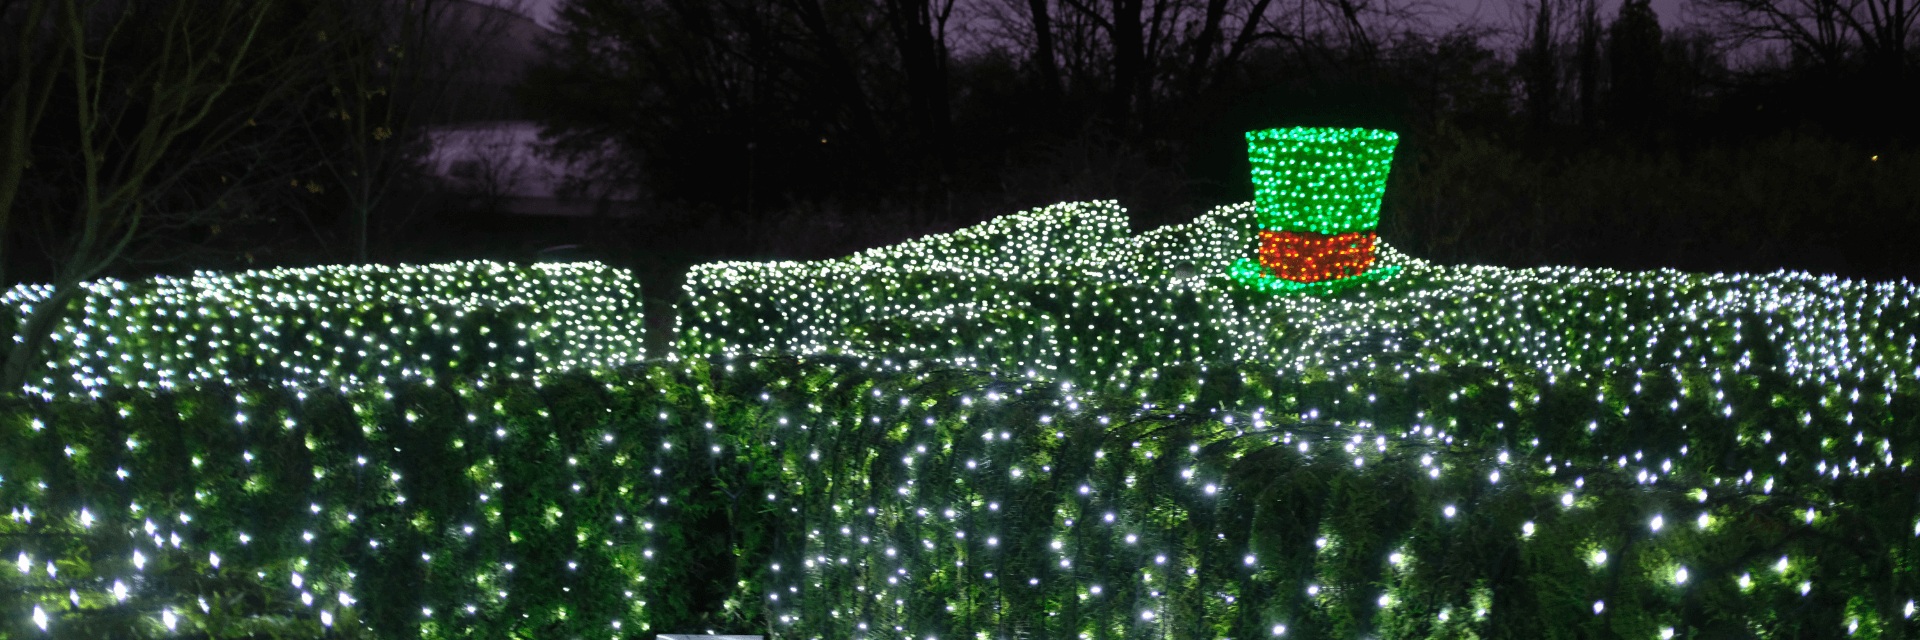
(1136,35)
(1825,31)
(1210,52)
(1143,53)
(1587,63)
(1635,64)
(920,35)
(151,95)
(397,68)
(1539,68)
(814,92)
(492,171)
(1044,56)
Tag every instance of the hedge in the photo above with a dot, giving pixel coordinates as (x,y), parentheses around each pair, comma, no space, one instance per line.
(1100,308)
(839,498)
(339,325)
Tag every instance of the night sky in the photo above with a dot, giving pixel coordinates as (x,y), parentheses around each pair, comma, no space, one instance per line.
(1499,13)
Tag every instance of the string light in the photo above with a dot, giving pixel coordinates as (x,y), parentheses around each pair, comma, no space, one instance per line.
(1438,374)
(884,547)
(338,325)
(1316,194)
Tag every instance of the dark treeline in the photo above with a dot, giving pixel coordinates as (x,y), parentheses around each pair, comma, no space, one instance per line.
(150,154)
(1776,135)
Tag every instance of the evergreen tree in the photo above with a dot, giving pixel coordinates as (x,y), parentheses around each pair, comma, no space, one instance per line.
(1634,60)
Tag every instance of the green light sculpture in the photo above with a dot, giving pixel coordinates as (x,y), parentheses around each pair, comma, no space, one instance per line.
(1316,194)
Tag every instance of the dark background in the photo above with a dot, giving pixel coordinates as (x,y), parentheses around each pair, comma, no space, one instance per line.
(1752,140)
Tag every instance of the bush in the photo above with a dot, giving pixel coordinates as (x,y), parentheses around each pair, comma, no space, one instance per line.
(1038,428)
(1110,311)
(341,325)
(806,498)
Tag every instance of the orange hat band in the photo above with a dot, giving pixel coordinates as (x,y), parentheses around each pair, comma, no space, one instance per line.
(1304,256)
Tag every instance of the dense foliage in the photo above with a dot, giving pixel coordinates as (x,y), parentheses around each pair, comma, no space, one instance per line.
(1063,291)
(339,325)
(831,498)
(1039,427)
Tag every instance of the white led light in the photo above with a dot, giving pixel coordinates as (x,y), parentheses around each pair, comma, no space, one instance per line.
(807,306)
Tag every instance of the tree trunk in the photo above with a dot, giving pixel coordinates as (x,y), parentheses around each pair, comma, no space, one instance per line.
(1129,56)
(26,357)
(1635,66)
(1589,66)
(840,71)
(1044,61)
(1203,46)
(24,103)
(1248,32)
(1542,79)
(924,60)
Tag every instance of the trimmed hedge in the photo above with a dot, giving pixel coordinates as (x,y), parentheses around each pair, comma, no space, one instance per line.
(1099,308)
(794,498)
(340,325)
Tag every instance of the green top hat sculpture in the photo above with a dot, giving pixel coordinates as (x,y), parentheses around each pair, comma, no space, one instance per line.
(1316,195)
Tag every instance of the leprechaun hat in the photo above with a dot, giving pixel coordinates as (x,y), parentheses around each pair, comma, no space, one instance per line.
(1316,199)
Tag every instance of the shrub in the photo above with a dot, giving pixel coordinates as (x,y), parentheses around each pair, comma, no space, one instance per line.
(805,498)
(341,325)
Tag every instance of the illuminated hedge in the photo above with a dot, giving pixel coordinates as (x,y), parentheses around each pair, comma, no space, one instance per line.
(1783,399)
(805,499)
(341,325)
(1116,321)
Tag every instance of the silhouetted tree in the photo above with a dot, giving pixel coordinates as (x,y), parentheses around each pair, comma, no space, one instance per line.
(919,34)
(1045,65)
(1827,32)
(121,115)
(1587,64)
(1634,54)
(395,68)
(1539,69)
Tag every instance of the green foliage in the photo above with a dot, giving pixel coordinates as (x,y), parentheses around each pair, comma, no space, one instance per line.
(705,491)
(1035,428)
(1112,323)
(339,325)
